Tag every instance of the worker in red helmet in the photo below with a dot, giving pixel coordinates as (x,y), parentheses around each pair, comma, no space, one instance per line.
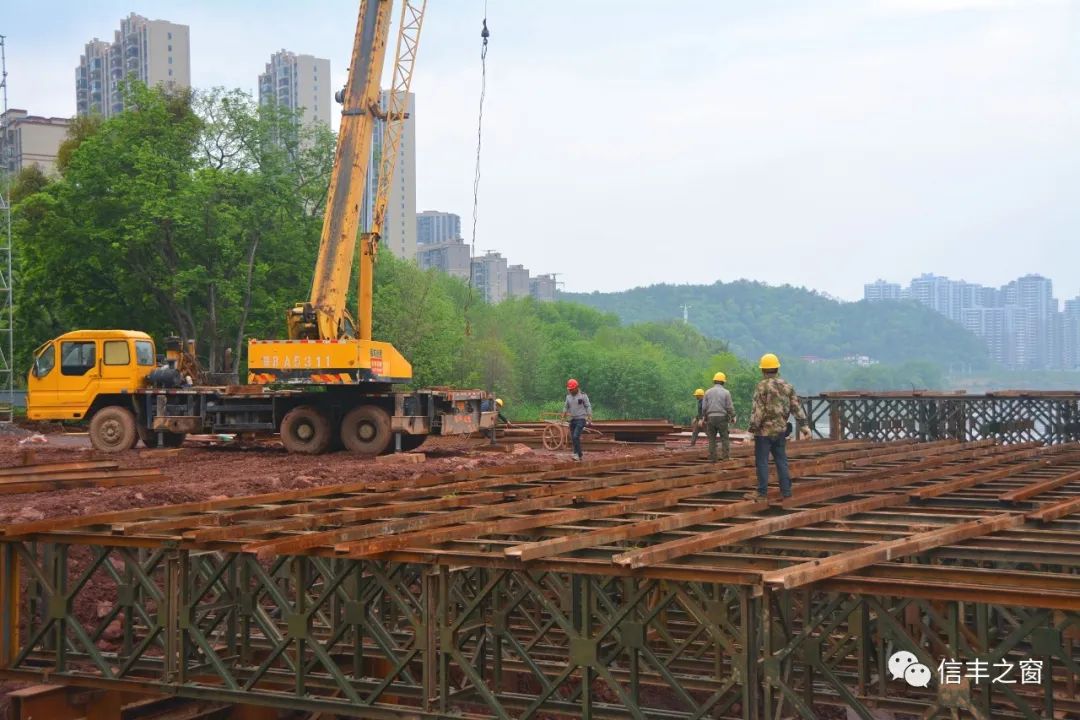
(578,410)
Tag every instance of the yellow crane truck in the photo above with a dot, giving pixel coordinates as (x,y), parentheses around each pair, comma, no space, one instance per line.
(329,383)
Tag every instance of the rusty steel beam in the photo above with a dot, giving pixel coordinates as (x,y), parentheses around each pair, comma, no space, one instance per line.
(1039,487)
(817,570)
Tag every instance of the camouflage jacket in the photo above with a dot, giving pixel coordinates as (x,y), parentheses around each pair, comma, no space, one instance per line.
(774,401)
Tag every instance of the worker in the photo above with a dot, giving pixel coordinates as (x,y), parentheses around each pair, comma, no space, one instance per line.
(579,411)
(774,400)
(719,413)
(494,405)
(698,423)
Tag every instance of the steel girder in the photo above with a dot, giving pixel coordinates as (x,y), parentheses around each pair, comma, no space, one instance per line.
(374,639)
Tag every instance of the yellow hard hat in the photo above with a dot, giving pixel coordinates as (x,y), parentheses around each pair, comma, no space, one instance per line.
(719,377)
(498,402)
(699,393)
(769,362)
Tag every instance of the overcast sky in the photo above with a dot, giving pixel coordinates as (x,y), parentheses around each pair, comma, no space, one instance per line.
(822,143)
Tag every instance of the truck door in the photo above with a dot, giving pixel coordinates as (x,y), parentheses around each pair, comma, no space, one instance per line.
(41,397)
(79,377)
(117,368)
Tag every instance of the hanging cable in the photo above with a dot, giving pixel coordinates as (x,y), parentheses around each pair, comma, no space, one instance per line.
(484,35)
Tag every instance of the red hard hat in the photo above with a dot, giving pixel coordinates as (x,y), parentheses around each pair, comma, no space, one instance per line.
(571,384)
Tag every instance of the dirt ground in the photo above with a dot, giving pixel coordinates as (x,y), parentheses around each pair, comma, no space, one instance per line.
(201,472)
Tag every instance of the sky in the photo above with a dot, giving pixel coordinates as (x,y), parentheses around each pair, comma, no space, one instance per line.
(632,142)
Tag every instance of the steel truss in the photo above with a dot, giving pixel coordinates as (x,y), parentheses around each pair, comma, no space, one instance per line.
(384,639)
(640,588)
(1047,417)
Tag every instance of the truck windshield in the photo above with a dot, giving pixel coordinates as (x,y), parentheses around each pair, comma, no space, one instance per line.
(144,352)
(45,360)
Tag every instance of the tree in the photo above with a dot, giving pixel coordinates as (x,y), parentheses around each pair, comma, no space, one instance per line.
(186,217)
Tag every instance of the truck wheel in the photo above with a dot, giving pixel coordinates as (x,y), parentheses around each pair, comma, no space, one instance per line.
(366,430)
(150,438)
(113,429)
(305,430)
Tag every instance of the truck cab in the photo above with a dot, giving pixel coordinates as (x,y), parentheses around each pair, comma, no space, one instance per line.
(79,372)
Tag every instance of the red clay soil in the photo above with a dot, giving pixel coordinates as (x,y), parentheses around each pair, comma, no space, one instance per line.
(203,473)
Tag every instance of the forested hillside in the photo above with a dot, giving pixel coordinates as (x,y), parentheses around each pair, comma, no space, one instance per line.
(753,318)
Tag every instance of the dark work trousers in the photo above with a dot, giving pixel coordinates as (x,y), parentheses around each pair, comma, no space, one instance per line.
(718,425)
(577,426)
(777,446)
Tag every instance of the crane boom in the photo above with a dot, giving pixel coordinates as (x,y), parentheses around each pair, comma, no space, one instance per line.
(324,317)
(408,40)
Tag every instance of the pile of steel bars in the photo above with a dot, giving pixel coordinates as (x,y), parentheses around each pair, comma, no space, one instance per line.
(40,477)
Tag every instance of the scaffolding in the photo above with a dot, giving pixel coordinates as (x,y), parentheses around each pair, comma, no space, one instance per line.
(7,299)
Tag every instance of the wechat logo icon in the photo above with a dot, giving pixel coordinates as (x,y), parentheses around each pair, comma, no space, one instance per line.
(903,665)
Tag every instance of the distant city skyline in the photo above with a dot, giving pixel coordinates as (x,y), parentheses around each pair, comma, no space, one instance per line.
(1022,322)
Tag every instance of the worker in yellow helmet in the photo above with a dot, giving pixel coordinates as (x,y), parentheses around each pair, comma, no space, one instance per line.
(499,408)
(698,423)
(774,401)
(719,414)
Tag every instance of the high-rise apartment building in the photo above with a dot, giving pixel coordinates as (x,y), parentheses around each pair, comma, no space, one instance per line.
(300,83)
(433,226)
(542,288)
(28,140)
(489,276)
(517,281)
(1035,294)
(880,291)
(933,291)
(1070,335)
(399,225)
(155,52)
(451,257)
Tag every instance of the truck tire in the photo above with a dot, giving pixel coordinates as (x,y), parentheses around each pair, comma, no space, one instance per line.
(150,438)
(112,429)
(365,430)
(305,430)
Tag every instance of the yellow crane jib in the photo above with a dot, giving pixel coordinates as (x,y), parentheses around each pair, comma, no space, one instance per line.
(323,337)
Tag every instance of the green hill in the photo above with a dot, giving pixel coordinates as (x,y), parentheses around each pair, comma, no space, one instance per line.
(753,318)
